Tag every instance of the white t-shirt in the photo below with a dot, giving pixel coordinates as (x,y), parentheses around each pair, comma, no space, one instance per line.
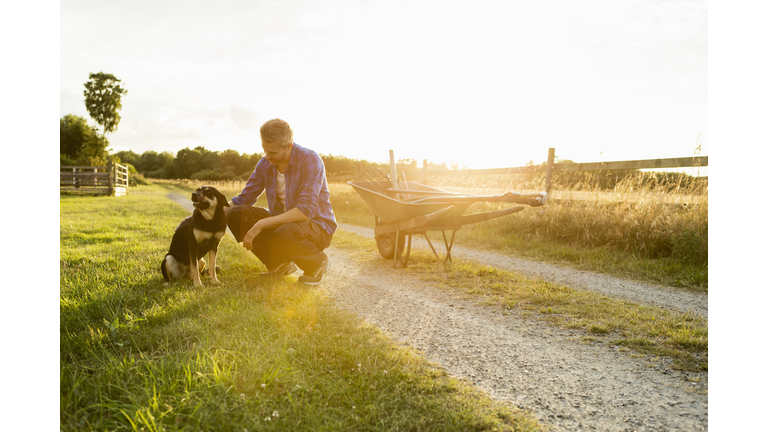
(281,187)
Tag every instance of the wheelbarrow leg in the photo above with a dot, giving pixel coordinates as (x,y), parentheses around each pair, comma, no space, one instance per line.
(447,246)
(408,251)
(432,247)
(398,254)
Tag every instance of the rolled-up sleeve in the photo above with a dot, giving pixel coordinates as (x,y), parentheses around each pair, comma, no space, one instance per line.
(254,187)
(312,182)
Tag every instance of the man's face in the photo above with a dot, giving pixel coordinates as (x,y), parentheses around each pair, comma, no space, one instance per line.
(275,153)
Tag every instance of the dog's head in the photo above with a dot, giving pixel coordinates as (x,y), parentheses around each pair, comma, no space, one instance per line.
(206,197)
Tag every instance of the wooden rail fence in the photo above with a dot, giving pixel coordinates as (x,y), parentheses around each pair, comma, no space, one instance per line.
(105,180)
(196,182)
(551,168)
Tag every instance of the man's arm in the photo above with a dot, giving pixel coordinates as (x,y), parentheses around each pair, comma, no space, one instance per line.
(292,215)
(253,188)
(309,190)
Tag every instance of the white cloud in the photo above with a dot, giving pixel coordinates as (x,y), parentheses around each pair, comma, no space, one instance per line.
(244,118)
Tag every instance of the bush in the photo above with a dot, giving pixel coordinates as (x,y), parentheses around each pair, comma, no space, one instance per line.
(65,161)
(137,179)
(156,174)
(205,175)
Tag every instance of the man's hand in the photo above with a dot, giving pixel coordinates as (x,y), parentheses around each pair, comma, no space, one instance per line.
(292,215)
(251,234)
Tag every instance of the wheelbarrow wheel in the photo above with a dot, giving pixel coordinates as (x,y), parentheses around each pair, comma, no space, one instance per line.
(386,243)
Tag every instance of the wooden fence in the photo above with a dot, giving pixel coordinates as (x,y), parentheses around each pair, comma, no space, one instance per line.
(109,180)
(196,182)
(551,168)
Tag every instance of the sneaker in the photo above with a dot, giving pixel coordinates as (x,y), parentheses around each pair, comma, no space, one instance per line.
(283,269)
(317,276)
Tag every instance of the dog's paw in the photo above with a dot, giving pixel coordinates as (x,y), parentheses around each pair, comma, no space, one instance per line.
(207,271)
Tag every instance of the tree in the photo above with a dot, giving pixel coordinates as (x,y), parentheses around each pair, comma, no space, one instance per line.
(102,100)
(80,142)
(187,162)
(73,134)
(128,158)
(152,164)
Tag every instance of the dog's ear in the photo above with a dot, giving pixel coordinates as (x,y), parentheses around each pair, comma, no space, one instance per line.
(221,198)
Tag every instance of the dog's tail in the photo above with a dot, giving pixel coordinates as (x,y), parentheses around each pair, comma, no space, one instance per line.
(163,270)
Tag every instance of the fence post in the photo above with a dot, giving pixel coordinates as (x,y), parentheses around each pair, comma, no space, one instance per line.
(111,178)
(424,173)
(393,168)
(550,168)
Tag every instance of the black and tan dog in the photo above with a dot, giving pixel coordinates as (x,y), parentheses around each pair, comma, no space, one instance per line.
(195,236)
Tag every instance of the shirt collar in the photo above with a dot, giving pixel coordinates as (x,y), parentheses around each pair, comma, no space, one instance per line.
(294,155)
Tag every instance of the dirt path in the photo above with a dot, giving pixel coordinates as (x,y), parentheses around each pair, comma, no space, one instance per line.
(660,296)
(565,382)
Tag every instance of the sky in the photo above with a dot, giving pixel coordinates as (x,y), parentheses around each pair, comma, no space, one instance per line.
(480,84)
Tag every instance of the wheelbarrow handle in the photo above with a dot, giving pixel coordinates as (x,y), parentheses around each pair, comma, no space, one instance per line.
(534,199)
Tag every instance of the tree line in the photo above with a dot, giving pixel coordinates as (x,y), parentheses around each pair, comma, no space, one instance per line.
(203,164)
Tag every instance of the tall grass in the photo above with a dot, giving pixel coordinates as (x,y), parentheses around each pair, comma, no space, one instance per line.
(249,354)
(645,227)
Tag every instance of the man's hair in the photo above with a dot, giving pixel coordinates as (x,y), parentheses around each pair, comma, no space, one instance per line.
(277,131)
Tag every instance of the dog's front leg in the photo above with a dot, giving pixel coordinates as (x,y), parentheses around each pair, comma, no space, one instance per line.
(194,269)
(212,265)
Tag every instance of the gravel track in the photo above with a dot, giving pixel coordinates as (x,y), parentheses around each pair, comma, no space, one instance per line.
(565,382)
(640,292)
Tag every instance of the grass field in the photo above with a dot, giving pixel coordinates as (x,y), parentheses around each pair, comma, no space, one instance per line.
(247,354)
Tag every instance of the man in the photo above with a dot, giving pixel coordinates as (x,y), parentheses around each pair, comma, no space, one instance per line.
(300,222)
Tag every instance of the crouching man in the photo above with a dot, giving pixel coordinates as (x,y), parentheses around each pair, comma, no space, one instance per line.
(300,222)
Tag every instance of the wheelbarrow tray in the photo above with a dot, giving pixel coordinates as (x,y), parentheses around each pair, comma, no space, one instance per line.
(390,210)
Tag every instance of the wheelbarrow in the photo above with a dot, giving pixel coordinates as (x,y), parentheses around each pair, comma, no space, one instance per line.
(403,208)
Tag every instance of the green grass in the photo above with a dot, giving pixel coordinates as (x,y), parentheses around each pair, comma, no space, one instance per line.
(247,354)
(645,329)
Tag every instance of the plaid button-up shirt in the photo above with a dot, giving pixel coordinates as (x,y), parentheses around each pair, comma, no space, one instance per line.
(306,187)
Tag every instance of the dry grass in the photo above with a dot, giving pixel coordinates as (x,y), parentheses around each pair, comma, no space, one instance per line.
(649,226)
